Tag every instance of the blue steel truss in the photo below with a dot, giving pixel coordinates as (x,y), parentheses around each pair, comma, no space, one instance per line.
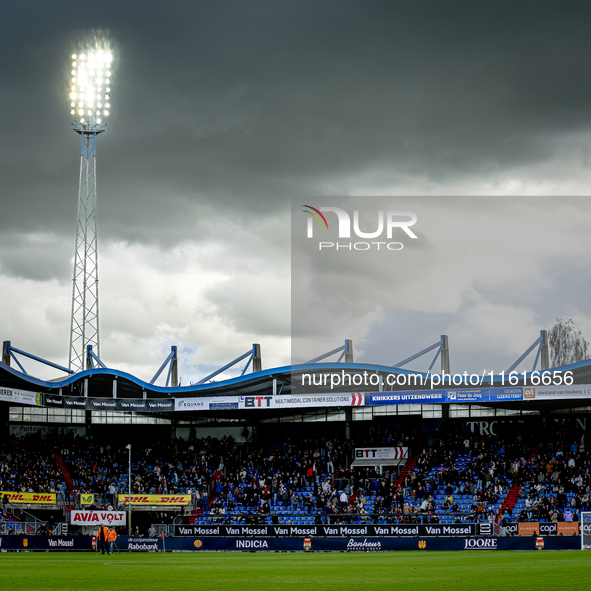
(346,349)
(12,350)
(438,345)
(170,361)
(92,358)
(249,354)
(539,342)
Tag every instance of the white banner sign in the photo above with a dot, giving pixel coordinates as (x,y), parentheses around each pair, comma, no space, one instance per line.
(263,402)
(556,392)
(110,518)
(379,456)
(304,400)
(381,453)
(20,396)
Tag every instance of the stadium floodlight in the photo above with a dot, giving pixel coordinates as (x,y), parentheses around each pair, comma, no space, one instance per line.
(90,86)
(89,95)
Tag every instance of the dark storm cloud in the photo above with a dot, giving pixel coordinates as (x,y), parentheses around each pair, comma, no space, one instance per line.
(230,108)
(39,257)
(223,111)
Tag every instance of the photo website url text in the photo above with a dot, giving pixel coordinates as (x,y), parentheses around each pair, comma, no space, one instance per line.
(487,379)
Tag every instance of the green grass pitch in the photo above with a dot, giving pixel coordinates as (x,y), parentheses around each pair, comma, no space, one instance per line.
(471,570)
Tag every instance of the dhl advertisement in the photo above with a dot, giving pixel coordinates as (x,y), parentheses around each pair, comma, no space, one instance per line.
(25,498)
(164,500)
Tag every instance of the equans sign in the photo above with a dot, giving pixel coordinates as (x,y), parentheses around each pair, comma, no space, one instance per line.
(113,518)
(387,221)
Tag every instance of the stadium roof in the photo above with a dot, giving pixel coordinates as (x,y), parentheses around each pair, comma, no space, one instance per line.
(100,380)
(98,383)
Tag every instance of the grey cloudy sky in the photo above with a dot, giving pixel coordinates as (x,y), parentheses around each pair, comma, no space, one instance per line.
(222,112)
(489,272)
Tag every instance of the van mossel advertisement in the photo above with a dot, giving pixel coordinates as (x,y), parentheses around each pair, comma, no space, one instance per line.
(464,529)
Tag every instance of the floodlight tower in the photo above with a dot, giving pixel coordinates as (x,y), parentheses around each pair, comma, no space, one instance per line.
(89,94)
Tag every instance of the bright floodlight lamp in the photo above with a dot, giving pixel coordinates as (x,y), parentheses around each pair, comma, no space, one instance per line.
(90,90)
(90,105)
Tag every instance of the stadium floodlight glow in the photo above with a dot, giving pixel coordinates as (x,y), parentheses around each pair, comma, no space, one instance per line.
(88,91)
(90,70)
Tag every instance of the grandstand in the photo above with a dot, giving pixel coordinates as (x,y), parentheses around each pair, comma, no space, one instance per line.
(536,469)
(261,451)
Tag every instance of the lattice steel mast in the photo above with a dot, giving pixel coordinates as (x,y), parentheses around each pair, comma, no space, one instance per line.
(90,91)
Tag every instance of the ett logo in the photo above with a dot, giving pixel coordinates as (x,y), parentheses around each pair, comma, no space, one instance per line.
(422,544)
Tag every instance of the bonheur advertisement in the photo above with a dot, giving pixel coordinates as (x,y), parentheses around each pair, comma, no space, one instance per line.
(440,299)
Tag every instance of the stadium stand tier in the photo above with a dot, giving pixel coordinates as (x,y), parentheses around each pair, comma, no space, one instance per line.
(305,477)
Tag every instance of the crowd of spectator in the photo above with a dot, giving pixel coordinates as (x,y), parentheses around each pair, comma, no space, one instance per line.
(27,465)
(458,474)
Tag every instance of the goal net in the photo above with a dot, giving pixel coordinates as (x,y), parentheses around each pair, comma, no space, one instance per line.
(585,525)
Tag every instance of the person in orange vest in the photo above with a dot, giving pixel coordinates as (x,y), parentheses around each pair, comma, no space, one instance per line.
(102,537)
(112,536)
